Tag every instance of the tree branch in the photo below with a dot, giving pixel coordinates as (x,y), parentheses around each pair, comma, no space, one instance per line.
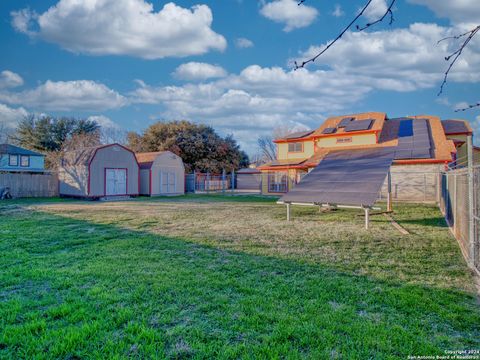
(456,54)
(339,36)
(468,107)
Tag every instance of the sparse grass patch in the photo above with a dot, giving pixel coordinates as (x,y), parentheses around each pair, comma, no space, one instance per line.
(227,277)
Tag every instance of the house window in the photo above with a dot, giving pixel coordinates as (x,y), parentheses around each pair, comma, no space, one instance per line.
(295,147)
(13,160)
(25,161)
(344,140)
(278,182)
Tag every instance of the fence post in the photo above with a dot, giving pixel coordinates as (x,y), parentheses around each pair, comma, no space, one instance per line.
(233,180)
(224,178)
(455,203)
(389,193)
(471,195)
(207,182)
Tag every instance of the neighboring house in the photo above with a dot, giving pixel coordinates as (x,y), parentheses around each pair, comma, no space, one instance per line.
(458,131)
(101,171)
(15,159)
(300,152)
(161,173)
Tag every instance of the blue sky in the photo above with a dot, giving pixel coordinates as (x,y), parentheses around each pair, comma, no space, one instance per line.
(129,63)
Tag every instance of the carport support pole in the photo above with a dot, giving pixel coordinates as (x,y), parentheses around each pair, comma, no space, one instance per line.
(288,212)
(367,217)
(389,195)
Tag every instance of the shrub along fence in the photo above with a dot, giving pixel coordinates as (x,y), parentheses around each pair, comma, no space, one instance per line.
(30,184)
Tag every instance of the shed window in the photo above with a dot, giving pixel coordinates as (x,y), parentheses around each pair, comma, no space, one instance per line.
(25,161)
(295,147)
(13,160)
(278,182)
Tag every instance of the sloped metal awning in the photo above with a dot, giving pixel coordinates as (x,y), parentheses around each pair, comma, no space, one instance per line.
(344,177)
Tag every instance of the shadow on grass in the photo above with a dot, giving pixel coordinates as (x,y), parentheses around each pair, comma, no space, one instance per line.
(431,222)
(73,288)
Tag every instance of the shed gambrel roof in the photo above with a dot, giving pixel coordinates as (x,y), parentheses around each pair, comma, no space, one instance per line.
(85,156)
(16,150)
(146,159)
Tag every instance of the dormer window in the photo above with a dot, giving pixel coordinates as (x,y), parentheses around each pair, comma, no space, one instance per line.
(295,147)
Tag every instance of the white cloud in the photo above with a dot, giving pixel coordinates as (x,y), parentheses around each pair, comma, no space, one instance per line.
(258,99)
(243,43)
(461,105)
(10,79)
(9,117)
(104,121)
(288,12)
(199,71)
(338,12)
(84,95)
(400,59)
(458,11)
(376,9)
(123,27)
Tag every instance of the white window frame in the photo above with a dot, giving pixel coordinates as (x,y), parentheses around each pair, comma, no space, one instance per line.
(10,157)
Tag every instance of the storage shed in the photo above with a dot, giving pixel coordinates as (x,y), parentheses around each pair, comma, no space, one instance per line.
(101,171)
(161,173)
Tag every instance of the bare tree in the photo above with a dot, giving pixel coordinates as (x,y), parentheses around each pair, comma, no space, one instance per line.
(268,149)
(5,133)
(72,147)
(109,135)
(388,12)
(451,59)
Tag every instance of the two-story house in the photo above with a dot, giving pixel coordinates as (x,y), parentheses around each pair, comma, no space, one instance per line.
(15,159)
(300,152)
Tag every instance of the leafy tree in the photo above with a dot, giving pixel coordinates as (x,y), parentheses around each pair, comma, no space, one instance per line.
(199,146)
(49,134)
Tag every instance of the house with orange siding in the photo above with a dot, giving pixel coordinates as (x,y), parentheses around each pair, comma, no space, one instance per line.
(300,152)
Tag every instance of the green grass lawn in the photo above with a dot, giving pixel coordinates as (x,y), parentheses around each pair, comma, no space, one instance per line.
(227,277)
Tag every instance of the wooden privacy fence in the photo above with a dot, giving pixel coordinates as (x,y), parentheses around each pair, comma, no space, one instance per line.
(30,185)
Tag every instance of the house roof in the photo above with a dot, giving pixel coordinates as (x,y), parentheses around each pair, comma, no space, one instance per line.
(332,122)
(453,126)
(387,133)
(248,171)
(146,159)
(15,150)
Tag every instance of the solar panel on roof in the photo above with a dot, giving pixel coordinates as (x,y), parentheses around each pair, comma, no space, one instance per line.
(344,178)
(414,140)
(345,121)
(359,125)
(299,134)
(329,130)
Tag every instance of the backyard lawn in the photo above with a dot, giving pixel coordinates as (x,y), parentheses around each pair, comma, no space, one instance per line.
(227,277)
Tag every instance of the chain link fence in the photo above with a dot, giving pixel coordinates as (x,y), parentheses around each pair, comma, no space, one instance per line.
(461,208)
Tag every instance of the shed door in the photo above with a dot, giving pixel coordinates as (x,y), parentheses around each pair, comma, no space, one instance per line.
(116,182)
(168,182)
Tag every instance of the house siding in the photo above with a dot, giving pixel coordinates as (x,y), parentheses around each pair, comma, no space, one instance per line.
(331,142)
(308,151)
(36,163)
